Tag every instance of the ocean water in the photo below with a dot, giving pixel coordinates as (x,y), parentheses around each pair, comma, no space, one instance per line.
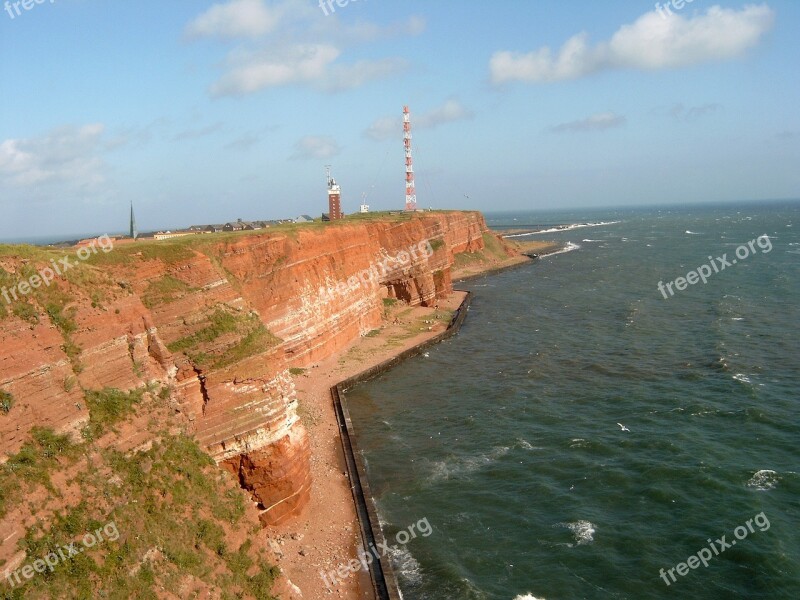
(582,432)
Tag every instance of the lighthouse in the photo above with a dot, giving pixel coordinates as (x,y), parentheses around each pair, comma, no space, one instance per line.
(334,197)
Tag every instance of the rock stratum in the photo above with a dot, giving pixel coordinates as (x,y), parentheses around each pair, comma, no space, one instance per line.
(220,320)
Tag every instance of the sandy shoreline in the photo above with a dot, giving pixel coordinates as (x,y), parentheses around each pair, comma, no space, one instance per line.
(327,535)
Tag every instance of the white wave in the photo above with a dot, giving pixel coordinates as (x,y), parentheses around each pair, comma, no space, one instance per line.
(528,597)
(693,232)
(405,564)
(591,240)
(582,530)
(742,378)
(524,444)
(561,228)
(763,480)
(568,248)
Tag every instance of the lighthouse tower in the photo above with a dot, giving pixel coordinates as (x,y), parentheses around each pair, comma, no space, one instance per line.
(411,193)
(334,197)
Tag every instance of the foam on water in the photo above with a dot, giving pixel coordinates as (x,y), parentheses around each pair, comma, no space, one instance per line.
(763,480)
(528,597)
(464,466)
(582,530)
(405,564)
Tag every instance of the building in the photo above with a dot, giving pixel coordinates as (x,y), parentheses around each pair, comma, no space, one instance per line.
(304,219)
(168,235)
(334,198)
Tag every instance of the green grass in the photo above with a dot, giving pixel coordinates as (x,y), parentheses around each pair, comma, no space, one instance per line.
(170,501)
(6,402)
(436,244)
(165,290)
(107,408)
(33,464)
(169,252)
(297,371)
(253,338)
(221,322)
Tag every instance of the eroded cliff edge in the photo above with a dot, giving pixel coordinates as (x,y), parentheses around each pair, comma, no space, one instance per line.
(220,320)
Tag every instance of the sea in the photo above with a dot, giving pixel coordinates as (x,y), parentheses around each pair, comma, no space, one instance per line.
(588,436)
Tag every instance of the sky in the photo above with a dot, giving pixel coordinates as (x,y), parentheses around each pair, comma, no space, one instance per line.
(204,112)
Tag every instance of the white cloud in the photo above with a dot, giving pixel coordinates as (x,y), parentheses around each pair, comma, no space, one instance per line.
(292,43)
(236,18)
(318,147)
(596,122)
(651,42)
(67,156)
(385,128)
(299,63)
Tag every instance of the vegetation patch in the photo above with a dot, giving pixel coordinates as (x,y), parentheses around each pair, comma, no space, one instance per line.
(6,402)
(167,514)
(32,465)
(165,290)
(108,407)
(249,337)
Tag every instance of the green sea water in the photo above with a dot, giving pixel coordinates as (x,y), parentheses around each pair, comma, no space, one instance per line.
(582,433)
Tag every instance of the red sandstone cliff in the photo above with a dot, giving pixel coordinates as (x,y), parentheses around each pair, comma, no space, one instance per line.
(238,312)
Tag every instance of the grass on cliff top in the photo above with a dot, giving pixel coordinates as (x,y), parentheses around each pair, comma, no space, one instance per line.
(493,251)
(248,333)
(166,516)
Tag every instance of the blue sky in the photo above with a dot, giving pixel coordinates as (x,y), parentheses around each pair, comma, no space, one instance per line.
(201,112)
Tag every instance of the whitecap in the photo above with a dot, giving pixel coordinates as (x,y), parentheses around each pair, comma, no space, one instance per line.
(582,530)
(561,228)
(591,240)
(568,248)
(693,232)
(742,378)
(405,564)
(528,597)
(763,480)
(524,444)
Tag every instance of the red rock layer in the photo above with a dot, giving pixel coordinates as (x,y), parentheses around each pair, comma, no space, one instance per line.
(316,289)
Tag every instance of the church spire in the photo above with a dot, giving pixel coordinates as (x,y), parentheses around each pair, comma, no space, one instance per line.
(134,231)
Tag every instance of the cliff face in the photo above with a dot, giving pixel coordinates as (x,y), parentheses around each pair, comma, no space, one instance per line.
(222,320)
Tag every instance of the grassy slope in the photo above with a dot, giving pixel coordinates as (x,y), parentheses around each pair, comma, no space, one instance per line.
(177,515)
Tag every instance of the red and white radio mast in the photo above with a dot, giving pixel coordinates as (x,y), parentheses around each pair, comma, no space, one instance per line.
(411,193)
